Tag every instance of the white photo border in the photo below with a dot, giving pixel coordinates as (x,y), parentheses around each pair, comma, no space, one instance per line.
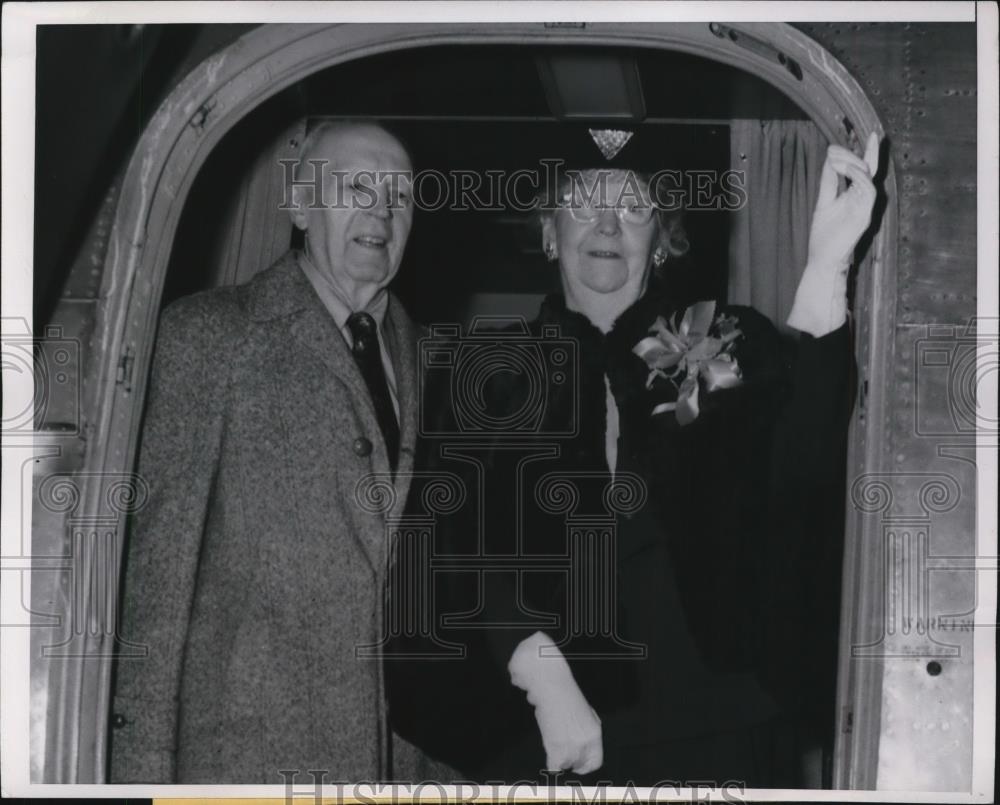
(18,209)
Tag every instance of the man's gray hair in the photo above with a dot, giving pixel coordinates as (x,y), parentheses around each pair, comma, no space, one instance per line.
(315,133)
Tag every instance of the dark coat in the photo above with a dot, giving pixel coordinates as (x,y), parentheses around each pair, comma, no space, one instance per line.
(715,572)
(252,574)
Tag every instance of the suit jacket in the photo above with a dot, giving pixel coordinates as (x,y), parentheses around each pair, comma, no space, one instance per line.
(253,573)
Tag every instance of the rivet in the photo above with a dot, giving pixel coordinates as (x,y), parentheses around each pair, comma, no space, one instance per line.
(933,668)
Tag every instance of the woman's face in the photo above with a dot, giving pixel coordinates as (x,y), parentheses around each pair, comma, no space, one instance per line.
(604,256)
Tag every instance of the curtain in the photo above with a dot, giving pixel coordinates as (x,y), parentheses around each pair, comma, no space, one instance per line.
(258,232)
(781,161)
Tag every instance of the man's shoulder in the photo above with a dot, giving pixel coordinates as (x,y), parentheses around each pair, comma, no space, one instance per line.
(268,294)
(204,307)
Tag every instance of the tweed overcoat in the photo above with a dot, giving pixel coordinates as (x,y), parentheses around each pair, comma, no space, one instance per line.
(253,574)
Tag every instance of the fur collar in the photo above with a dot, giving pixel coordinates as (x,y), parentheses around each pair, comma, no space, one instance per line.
(761,352)
(611,354)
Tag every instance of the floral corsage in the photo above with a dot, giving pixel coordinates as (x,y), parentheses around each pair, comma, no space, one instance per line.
(697,351)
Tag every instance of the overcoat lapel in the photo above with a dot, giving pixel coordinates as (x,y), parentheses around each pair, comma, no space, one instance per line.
(316,331)
(288,292)
(402,335)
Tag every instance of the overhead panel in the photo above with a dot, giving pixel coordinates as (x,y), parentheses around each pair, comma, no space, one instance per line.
(592,86)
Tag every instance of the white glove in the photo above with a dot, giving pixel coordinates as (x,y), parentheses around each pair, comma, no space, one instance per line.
(838,223)
(571,730)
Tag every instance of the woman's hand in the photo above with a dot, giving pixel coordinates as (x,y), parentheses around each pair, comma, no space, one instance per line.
(571,730)
(839,221)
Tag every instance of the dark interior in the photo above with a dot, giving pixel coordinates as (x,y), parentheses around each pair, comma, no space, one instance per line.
(500,108)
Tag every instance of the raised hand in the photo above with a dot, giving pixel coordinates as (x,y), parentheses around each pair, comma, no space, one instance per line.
(839,220)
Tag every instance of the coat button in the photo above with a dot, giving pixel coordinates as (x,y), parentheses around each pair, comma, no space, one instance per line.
(118,721)
(362,446)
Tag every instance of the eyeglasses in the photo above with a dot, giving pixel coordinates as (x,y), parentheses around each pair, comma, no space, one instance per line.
(586,211)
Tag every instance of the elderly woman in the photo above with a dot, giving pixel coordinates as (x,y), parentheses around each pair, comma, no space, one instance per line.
(724,441)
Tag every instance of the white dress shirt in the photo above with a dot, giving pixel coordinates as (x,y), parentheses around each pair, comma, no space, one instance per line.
(340,308)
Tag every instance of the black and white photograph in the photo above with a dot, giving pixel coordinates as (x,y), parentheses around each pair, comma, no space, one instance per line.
(496,402)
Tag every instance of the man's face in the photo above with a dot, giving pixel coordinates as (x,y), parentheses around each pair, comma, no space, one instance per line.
(358,238)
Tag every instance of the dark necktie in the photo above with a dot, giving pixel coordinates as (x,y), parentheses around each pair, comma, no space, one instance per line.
(368,357)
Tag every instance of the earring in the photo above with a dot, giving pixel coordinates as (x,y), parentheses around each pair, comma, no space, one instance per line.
(659,258)
(550,252)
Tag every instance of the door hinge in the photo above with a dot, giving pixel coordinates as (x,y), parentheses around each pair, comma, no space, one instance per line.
(758,46)
(123,377)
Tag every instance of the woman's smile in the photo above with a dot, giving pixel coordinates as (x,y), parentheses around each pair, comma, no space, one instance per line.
(604,254)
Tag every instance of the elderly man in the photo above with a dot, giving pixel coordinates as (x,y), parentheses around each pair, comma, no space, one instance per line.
(253,575)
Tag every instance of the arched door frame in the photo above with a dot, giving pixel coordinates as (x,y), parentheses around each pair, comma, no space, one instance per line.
(231,83)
